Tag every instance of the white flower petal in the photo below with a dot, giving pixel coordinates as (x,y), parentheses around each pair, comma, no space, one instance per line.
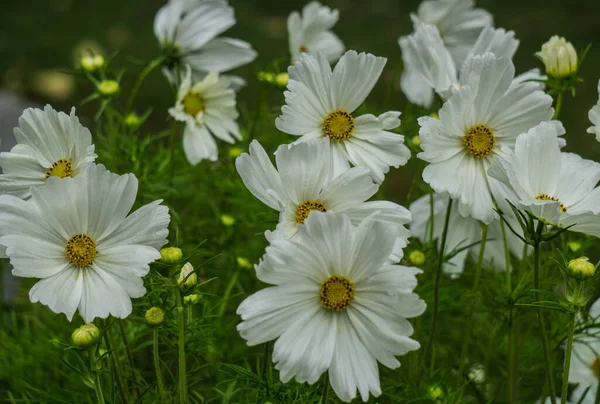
(61,292)
(198,144)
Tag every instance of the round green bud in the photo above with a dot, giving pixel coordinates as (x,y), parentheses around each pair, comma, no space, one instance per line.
(227,220)
(435,392)
(416,257)
(192,299)
(581,267)
(108,87)
(132,120)
(86,336)
(574,245)
(243,262)
(282,79)
(171,255)
(235,152)
(155,316)
(87,63)
(185,280)
(416,140)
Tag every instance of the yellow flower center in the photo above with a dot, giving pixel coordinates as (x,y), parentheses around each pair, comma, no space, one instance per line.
(303,49)
(81,250)
(193,104)
(338,125)
(306,207)
(546,197)
(596,367)
(479,141)
(61,169)
(337,293)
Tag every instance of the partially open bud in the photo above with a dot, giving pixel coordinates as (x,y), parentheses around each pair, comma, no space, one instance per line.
(108,87)
(184,279)
(86,336)
(192,299)
(559,57)
(155,316)
(582,267)
(171,255)
(416,257)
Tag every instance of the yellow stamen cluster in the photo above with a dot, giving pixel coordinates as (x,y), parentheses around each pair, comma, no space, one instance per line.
(81,250)
(306,207)
(338,125)
(61,169)
(193,104)
(303,49)
(596,367)
(546,197)
(479,141)
(337,293)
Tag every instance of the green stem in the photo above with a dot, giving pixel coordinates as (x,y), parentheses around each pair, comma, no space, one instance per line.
(436,288)
(597,400)
(232,281)
(147,70)
(128,351)
(471,316)
(159,378)
(512,380)
(116,367)
(559,99)
(542,323)
(183,397)
(325,388)
(266,366)
(96,373)
(431,217)
(565,376)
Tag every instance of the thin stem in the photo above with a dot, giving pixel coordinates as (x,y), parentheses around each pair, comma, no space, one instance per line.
(559,99)
(565,376)
(474,291)
(96,373)
(116,368)
(597,400)
(232,282)
(159,378)
(266,366)
(512,380)
(436,288)
(325,388)
(147,70)
(542,323)
(183,397)
(128,350)
(431,217)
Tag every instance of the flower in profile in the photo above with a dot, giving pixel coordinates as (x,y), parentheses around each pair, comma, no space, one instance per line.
(489,110)
(311,32)
(49,144)
(187,31)
(559,57)
(75,234)
(320,103)
(557,188)
(336,304)
(208,109)
(464,233)
(303,183)
(594,116)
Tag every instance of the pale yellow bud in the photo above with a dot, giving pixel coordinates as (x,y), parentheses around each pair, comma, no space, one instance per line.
(574,245)
(185,280)
(227,220)
(559,57)
(98,61)
(582,267)
(86,336)
(132,120)
(171,255)
(435,392)
(416,140)
(235,152)
(243,262)
(282,79)
(192,299)
(87,63)
(155,316)
(416,257)
(108,87)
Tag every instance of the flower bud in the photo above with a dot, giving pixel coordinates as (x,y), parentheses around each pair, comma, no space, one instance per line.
(91,63)
(108,87)
(282,79)
(559,57)
(86,336)
(416,140)
(574,245)
(185,271)
(416,257)
(132,120)
(266,77)
(235,152)
(192,299)
(227,220)
(154,316)
(171,255)
(435,392)
(243,262)
(582,267)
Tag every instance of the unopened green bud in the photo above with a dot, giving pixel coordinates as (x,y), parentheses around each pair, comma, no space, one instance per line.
(582,267)
(282,79)
(266,76)
(435,392)
(574,245)
(86,336)
(185,280)
(416,140)
(171,255)
(132,120)
(108,87)
(91,63)
(227,220)
(155,316)
(235,152)
(192,299)
(559,57)
(416,257)
(243,262)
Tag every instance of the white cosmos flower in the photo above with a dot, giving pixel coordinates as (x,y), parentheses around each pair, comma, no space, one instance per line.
(429,65)
(488,111)
(75,234)
(594,116)
(320,103)
(463,232)
(311,32)
(302,183)
(208,109)
(559,188)
(49,144)
(335,305)
(187,31)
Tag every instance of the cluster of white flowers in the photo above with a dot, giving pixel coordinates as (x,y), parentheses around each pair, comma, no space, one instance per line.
(66,221)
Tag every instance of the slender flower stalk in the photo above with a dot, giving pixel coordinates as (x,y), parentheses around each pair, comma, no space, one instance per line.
(436,288)
(159,378)
(96,373)
(325,389)
(128,351)
(512,381)
(181,344)
(121,387)
(147,70)
(559,99)
(565,377)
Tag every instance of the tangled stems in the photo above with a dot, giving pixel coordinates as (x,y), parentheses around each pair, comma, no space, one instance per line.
(159,378)
(96,373)
(436,288)
(183,397)
(565,377)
